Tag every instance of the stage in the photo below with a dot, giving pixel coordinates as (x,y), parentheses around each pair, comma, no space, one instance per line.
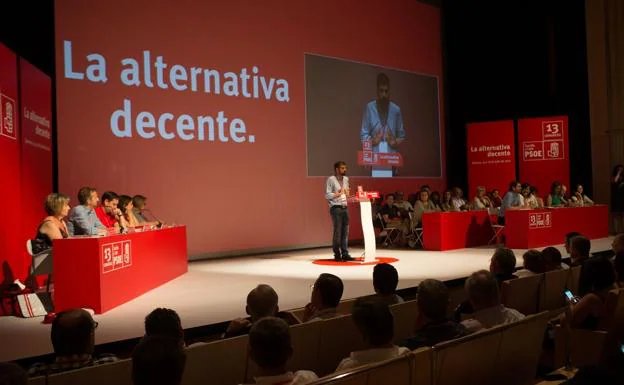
(214,291)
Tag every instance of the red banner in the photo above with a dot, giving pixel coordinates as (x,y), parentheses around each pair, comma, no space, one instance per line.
(544,157)
(11,262)
(491,156)
(36,164)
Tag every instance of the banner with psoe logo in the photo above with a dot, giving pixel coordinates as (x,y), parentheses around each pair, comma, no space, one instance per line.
(491,156)
(544,157)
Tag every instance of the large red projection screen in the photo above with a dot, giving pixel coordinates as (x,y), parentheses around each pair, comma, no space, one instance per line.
(201,107)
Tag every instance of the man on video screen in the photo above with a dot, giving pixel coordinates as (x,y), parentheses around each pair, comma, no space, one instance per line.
(382,125)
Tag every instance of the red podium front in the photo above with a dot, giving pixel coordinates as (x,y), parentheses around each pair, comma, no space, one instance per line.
(104,272)
(527,229)
(456,230)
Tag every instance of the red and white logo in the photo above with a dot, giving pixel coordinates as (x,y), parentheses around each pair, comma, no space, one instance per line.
(540,220)
(116,255)
(8,119)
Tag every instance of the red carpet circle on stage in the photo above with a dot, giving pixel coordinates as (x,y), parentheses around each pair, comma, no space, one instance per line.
(356,262)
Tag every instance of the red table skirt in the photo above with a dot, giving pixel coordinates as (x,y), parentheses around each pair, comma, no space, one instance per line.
(456,230)
(104,272)
(527,229)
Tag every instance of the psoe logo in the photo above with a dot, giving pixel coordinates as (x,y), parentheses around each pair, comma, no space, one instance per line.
(116,256)
(8,125)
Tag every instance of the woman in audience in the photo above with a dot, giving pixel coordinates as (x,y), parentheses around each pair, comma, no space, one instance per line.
(554,198)
(533,263)
(126,207)
(446,204)
(579,198)
(53,226)
(423,205)
(598,277)
(617,198)
(481,201)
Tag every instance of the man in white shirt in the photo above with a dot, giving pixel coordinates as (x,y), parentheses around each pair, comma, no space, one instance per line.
(336,193)
(270,347)
(376,325)
(484,295)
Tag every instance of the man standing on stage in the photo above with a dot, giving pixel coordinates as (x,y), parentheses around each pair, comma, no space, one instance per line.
(336,193)
(382,125)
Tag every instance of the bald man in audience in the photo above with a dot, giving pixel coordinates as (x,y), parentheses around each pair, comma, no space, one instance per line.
(432,324)
(261,302)
(326,294)
(270,347)
(73,335)
(484,295)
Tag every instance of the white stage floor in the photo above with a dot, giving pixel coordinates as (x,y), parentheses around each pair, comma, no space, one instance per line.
(215,290)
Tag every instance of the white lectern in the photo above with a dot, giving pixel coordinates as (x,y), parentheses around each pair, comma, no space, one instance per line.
(366,216)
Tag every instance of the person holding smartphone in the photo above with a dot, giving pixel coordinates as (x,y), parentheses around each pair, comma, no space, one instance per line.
(598,277)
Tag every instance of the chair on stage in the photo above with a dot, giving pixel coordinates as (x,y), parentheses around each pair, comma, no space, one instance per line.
(392,234)
(498,231)
(41,263)
(415,238)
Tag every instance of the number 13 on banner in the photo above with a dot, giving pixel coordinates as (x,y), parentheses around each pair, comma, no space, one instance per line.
(552,130)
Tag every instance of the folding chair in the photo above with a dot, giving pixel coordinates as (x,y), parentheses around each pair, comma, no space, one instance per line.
(415,237)
(41,263)
(391,235)
(498,231)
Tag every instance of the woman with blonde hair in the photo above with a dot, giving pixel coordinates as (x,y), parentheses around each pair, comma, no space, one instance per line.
(53,226)
(481,201)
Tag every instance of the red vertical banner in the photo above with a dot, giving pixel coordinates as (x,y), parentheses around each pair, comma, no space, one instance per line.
(11,261)
(36,138)
(491,155)
(544,156)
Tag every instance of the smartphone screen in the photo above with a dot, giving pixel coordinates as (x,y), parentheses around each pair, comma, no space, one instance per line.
(570,296)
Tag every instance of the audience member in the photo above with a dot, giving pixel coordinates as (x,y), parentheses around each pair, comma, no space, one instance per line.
(553,259)
(270,347)
(432,325)
(73,334)
(597,278)
(533,263)
(158,360)
(261,302)
(502,265)
(484,295)
(82,218)
(593,375)
(579,250)
(164,322)
(375,323)
(53,226)
(326,294)
(568,238)
(12,374)
(385,281)
(618,244)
